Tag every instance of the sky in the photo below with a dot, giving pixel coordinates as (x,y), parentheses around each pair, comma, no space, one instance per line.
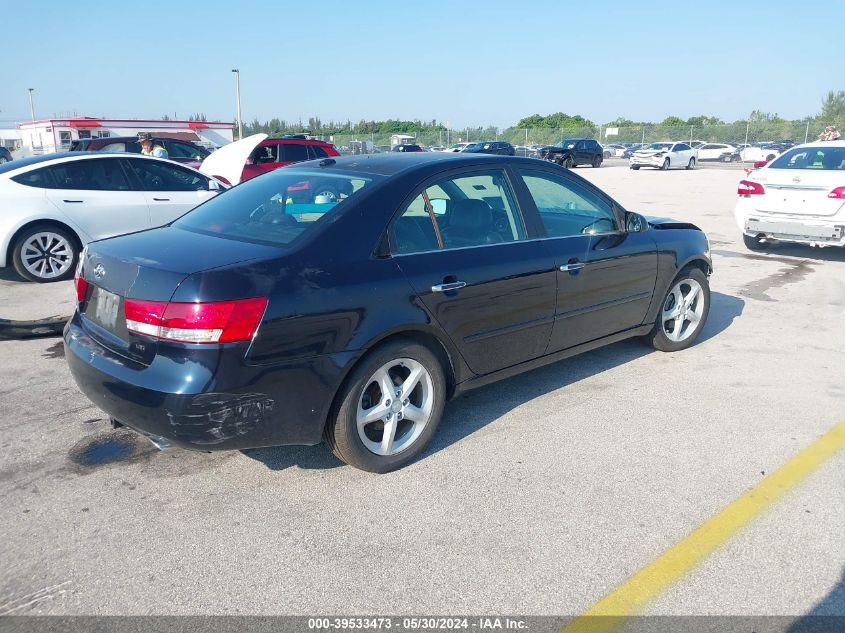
(463,62)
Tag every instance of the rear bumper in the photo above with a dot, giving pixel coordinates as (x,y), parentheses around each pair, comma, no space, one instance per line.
(195,404)
(793,229)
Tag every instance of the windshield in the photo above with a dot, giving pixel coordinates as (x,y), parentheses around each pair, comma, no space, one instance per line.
(276,208)
(660,146)
(822,158)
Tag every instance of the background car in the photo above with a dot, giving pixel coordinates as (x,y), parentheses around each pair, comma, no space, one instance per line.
(178,150)
(457,147)
(666,155)
(54,204)
(575,151)
(5,155)
(614,150)
(406,147)
(717,152)
(483,266)
(633,147)
(797,197)
(272,153)
(490,147)
(762,152)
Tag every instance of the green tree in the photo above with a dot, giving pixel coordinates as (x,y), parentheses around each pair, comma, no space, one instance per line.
(673,121)
(833,106)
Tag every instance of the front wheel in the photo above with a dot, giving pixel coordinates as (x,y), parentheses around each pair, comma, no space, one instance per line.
(683,312)
(665,165)
(691,164)
(635,167)
(45,253)
(389,408)
(568,163)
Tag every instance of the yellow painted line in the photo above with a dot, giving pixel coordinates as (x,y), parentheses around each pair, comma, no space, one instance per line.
(611,612)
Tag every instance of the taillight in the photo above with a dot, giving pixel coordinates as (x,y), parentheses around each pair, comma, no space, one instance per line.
(838,193)
(748,188)
(81,286)
(210,322)
(760,163)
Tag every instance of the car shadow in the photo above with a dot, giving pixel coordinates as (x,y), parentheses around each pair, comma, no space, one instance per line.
(785,249)
(827,616)
(10,274)
(474,410)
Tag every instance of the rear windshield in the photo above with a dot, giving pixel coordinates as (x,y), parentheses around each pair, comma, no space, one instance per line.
(823,158)
(276,208)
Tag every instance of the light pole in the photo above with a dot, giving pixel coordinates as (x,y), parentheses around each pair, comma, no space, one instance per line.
(238,91)
(31,108)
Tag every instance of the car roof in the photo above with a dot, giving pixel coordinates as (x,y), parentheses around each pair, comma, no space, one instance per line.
(279,140)
(61,157)
(840,143)
(391,163)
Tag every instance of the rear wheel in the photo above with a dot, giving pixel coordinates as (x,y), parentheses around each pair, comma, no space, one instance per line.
(665,165)
(683,312)
(755,242)
(635,167)
(389,409)
(597,161)
(691,164)
(45,253)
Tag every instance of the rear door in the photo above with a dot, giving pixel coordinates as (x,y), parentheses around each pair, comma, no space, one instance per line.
(96,194)
(170,190)
(463,245)
(605,275)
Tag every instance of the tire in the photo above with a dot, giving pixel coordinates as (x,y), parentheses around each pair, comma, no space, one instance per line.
(411,432)
(770,158)
(327,191)
(605,156)
(665,165)
(753,243)
(691,164)
(47,248)
(597,161)
(3,159)
(568,163)
(667,336)
(635,167)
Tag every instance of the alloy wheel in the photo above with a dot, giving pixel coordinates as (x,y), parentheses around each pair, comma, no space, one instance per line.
(46,255)
(395,406)
(683,310)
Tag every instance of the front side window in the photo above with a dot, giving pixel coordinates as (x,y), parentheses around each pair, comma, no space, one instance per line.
(277,208)
(158,176)
(100,174)
(114,147)
(568,208)
(681,147)
(475,209)
(822,158)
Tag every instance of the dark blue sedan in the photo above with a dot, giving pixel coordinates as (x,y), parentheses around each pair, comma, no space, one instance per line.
(348,299)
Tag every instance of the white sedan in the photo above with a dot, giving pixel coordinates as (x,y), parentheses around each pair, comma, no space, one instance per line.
(54,204)
(716,151)
(665,155)
(798,197)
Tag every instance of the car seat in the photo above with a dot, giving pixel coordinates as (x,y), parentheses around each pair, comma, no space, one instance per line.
(470,224)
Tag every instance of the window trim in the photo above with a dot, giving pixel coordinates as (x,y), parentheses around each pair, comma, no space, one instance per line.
(450,174)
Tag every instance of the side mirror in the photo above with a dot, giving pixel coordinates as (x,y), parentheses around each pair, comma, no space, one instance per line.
(438,205)
(635,223)
(213,185)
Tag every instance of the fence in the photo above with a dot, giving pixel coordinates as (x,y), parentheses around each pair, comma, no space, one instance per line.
(740,132)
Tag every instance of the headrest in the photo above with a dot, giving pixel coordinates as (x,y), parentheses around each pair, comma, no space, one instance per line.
(470,215)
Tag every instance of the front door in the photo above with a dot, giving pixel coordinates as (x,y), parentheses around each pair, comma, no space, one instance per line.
(605,276)
(169,189)
(463,246)
(96,195)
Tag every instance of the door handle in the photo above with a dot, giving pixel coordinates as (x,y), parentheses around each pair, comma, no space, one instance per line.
(454,285)
(71,200)
(568,268)
(162,199)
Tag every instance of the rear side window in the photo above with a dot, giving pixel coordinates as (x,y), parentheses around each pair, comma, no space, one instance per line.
(821,158)
(40,178)
(184,150)
(113,147)
(99,174)
(315,151)
(294,153)
(265,154)
(681,147)
(277,208)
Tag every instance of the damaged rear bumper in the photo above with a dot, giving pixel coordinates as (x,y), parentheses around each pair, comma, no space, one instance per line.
(193,404)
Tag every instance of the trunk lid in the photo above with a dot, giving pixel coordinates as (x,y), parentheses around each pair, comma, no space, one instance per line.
(148,266)
(797,192)
(229,161)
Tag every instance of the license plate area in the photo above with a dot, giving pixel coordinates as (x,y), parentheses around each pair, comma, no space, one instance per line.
(106,310)
(794,230)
